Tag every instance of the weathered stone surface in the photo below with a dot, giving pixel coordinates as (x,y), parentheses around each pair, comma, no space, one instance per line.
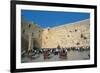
(32,34)
(68,35)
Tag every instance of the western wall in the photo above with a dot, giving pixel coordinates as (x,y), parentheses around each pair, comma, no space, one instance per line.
(75,34)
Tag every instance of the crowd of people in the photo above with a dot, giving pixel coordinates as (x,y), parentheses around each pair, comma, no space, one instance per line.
(47,52)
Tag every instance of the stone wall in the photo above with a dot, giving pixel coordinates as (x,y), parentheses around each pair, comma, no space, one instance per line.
(75,35)
(31,34)
(68,35)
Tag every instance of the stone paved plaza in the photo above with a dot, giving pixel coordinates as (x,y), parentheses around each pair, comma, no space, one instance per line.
(71,55)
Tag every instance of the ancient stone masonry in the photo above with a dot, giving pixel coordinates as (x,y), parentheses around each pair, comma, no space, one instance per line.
(31,33)
(68,35)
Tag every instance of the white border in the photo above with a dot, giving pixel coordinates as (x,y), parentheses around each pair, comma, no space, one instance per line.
(20,65)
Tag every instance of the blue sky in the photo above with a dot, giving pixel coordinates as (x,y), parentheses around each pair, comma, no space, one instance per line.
(52,18)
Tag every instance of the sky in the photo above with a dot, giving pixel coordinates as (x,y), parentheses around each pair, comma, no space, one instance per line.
(50,19)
